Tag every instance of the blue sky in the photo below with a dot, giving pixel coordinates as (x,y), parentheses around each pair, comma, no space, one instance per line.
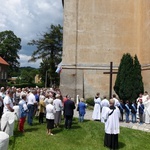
(28,19)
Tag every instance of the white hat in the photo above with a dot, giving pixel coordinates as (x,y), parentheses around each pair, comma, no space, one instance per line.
(50,100)
(57,95)
(42,97)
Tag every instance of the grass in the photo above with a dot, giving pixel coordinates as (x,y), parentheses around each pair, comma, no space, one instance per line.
(88,135)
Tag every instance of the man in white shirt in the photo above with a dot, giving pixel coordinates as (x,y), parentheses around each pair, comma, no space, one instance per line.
(31,102)
(8,104)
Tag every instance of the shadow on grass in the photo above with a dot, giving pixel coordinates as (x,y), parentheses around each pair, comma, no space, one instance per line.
(31,129)
(57,130)
(86,120)
(121,145)
(77,120)
(18,134)
(74,122)
(75,127)
(12,141)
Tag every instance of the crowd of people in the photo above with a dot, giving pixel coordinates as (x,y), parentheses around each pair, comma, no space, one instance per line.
(41,102)
(50,104)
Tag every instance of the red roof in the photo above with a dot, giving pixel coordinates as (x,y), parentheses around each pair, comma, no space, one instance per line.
(2,61)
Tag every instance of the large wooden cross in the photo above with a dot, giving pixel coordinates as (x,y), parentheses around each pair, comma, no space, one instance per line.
(110,81)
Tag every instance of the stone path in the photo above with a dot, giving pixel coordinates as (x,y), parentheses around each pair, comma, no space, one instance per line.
(137,126)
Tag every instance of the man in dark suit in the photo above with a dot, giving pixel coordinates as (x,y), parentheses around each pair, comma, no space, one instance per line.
(69,106)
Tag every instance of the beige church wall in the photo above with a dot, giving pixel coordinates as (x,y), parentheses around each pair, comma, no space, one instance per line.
(146,80)
(104,30)
(145,32)
(95,81)
(96,32)
(88,81)
(68,83)
(69,33)
(73,78)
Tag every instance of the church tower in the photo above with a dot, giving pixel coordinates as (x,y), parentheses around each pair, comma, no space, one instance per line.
(97,32)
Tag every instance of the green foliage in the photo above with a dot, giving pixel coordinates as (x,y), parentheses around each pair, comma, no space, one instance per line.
(25,75)
(3,84)
(137,76)
(129,83)
(47,72)
(22,85)
(90,101)
(49,49)
(28,76)
(40,85)
(9,48)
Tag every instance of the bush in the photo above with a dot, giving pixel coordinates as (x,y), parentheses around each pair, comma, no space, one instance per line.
(40,85)
(22,85)
(90,101)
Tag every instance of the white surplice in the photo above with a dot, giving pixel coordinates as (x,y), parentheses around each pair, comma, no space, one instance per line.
(97,109)
(104,113)
(111,121)
(105,103)
(147,110)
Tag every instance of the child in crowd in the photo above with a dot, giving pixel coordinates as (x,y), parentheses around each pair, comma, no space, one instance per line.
(133,112)
(121,108)
(127,111)
(22,113)
(141,111)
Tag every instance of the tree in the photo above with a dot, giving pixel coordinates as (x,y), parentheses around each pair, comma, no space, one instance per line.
(137,79)
(9,48)
(49,49)
(129,84)
(27,74)
(124,81)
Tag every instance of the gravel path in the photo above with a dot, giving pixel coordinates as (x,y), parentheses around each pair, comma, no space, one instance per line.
(137,126)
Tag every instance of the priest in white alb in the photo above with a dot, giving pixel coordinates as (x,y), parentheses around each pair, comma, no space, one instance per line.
(112,129)
(96,115)
(146,103)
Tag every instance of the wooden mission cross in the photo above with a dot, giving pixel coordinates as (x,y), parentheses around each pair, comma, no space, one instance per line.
(110,81)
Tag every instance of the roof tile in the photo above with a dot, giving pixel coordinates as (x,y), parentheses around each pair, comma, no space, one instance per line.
(2,61)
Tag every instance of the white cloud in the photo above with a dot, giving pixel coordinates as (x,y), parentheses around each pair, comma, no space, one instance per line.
(27,18)
(24,61)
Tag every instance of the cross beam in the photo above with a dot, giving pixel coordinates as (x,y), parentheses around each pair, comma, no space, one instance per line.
(110,80)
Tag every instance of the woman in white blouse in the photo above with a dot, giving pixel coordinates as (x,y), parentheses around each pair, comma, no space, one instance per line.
(50,111)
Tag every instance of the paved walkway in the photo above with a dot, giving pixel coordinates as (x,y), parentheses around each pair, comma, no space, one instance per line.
(137,126)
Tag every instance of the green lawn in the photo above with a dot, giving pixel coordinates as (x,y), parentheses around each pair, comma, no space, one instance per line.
(83,136)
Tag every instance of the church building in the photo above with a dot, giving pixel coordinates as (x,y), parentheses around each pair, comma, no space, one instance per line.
(97,32)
